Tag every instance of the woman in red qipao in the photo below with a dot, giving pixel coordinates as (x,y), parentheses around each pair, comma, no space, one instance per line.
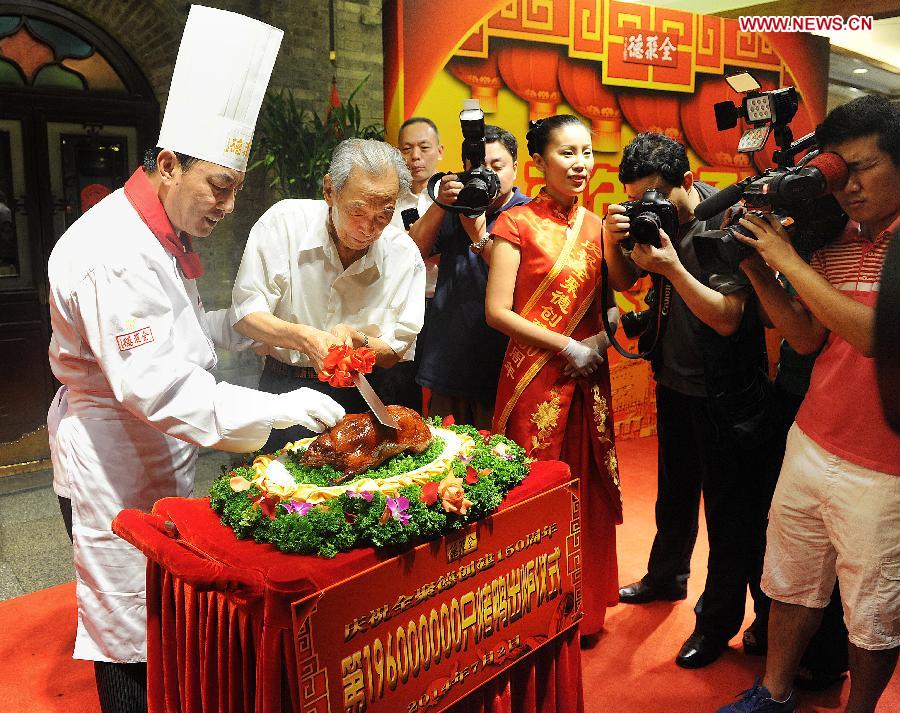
(554,394)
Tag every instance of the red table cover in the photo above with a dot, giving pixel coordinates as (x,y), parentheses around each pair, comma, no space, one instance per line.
(219,634)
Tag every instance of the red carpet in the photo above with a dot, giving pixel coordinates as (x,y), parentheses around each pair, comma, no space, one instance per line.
(631,669)
(37,672)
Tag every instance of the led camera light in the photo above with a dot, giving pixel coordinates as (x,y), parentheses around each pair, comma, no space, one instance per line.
(759,109)
(753,139)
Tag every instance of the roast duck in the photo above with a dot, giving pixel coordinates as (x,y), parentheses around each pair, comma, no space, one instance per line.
(359,442)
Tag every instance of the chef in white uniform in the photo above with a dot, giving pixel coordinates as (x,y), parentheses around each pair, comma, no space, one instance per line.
(133,346)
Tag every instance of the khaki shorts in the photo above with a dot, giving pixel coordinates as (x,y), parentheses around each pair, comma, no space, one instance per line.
(831,517)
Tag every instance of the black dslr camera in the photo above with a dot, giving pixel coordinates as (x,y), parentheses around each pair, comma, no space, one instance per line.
(652,213)
(480,184)
(635,324)
(799,196)
(647,216)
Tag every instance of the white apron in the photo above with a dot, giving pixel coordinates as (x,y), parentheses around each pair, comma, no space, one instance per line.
(133,347)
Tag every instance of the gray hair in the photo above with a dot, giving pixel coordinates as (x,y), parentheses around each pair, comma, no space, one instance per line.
(373,157)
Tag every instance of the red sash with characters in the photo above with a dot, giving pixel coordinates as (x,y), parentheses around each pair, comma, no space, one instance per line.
(558,301)
(551,415)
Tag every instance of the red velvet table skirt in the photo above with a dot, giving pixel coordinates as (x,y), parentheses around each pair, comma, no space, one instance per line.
(219,631)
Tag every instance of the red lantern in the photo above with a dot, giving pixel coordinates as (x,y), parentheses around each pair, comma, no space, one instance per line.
(583,88)
(716,148)
(652,111)
(531,73)
(483,79)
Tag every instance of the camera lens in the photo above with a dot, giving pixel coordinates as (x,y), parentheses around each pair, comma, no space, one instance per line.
(474,193)
(645,228)
(635,323)
(480,187)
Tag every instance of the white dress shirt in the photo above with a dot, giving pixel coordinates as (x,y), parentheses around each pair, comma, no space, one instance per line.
(421,202)
(291,269)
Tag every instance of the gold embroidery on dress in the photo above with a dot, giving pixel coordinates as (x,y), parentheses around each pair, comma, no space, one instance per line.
(545,417)
(612,467)
(601,411)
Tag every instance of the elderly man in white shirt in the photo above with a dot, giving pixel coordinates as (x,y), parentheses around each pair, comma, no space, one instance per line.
(336,271)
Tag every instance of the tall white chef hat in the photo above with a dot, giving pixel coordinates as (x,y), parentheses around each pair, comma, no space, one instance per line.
(221,74)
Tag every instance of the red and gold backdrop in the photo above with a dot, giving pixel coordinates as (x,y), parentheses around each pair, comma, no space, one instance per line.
(624,68)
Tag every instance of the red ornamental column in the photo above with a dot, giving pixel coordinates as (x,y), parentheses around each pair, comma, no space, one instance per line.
(531,73)
(652,111)
(482,76)
(583,88)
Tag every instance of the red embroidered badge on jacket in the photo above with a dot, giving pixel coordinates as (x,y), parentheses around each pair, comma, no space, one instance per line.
(138,337)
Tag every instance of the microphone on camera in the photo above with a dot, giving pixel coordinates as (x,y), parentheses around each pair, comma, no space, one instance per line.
(824,174)
(721,201)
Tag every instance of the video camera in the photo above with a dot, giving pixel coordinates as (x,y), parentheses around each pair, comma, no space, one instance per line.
(800,196)
(480,184)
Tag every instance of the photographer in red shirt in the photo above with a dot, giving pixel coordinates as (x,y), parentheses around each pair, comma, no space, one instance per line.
(836,509)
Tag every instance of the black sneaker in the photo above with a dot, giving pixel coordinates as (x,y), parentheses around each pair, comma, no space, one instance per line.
(759,700)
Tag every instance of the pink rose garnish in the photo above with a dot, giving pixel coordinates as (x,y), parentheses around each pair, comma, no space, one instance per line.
(452,495)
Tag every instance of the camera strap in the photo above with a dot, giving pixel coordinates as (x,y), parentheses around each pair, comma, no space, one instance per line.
(663,304)
(468,211)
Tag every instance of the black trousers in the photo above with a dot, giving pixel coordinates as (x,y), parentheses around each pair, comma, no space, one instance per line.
(696,456)
(398,385)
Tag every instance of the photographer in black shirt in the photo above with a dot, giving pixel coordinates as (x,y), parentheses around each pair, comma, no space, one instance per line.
(709,366)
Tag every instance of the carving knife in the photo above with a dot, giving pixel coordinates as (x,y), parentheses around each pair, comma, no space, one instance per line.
(375,403)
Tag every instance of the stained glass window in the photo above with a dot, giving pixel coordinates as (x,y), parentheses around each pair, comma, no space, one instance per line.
(39,53)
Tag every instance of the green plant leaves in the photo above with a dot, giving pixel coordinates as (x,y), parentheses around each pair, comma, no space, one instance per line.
(294,144)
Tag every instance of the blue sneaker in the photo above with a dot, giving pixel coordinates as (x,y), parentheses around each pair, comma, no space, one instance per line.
(759,700)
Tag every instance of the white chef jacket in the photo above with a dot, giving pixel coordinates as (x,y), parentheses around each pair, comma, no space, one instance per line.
(132,346)
(421,203)
(291,269)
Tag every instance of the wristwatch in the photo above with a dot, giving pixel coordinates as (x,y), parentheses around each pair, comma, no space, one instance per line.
(479,246)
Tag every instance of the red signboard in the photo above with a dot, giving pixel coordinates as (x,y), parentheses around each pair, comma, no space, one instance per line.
(653,48)
(420,631)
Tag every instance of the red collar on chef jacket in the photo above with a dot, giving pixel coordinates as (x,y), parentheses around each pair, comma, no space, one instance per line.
(142,195)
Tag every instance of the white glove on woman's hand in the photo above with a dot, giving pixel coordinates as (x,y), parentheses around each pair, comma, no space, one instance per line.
(306,407)
(582,358)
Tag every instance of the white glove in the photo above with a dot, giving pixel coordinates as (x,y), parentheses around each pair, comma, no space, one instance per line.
(306,407)
(582,358)
(612,314)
